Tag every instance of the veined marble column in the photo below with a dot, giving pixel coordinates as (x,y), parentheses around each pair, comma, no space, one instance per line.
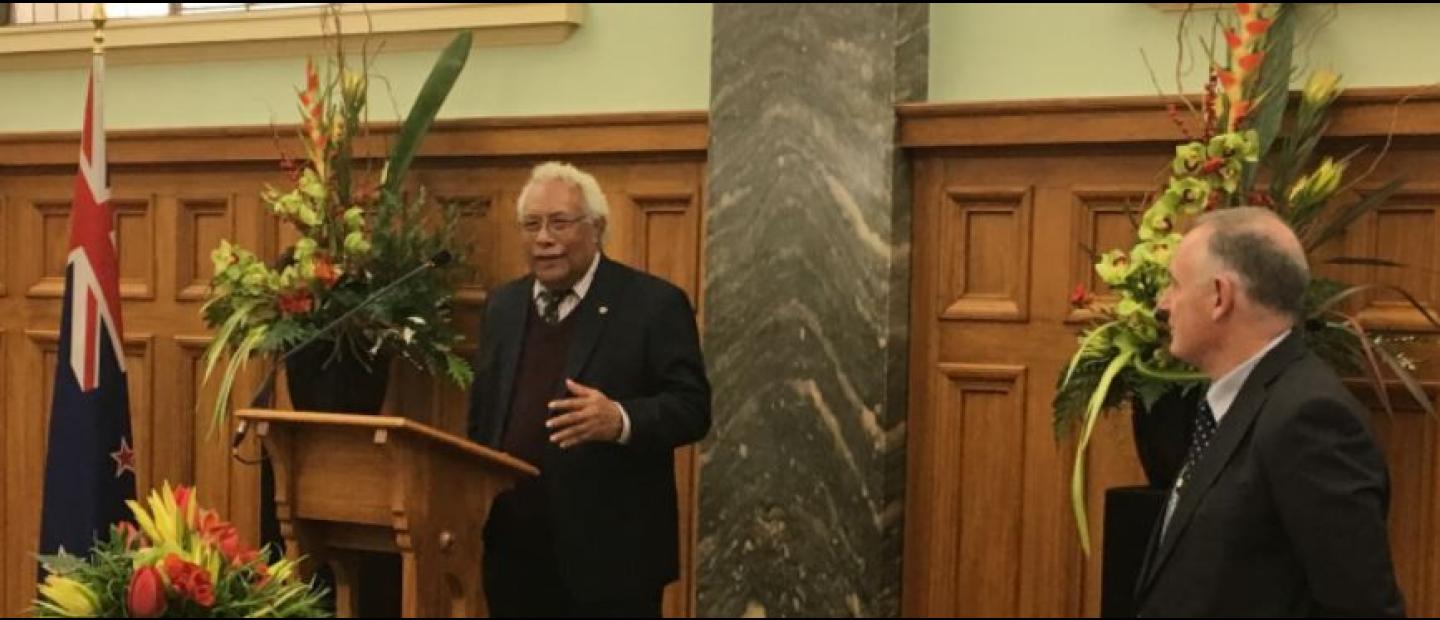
(806,307)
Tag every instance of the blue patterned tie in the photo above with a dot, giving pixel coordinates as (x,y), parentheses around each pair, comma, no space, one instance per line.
(1202,433)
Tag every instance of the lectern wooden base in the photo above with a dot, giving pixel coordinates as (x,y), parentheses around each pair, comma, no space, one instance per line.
(346,483)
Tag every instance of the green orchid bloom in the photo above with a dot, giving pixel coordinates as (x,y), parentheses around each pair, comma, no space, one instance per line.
(1114,267)
(1188,159)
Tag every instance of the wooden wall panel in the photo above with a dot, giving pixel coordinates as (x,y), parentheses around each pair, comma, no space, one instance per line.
(200,224)
(1103,219)
(997,294)
(177,193)
(975,410)
(987,266)
(5,409)
(5,260)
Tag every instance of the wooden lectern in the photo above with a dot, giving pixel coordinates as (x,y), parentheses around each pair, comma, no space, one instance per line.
(346,483)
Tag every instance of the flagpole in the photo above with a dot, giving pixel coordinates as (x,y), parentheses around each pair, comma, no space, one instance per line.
(98,18)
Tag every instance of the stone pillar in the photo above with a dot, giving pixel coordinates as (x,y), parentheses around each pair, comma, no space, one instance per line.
(807,307)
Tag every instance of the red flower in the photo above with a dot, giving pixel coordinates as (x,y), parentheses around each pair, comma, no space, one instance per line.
(1080,297)
(182,497)
(1243,8)
(1258,27)
(1213,164)
(202,591)
(296,302)
(146,595)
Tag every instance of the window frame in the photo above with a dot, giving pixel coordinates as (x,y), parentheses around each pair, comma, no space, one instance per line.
(279,32)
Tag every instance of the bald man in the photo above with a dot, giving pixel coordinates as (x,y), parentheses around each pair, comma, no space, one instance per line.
(1280,508)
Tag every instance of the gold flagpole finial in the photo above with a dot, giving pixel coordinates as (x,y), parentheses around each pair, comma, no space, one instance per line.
(98,18)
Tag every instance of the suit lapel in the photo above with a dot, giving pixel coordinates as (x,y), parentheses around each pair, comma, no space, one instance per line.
(591,315)
(509,311)
(1232,430)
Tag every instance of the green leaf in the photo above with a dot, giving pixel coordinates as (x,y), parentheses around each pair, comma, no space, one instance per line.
(222,398)
(1077,476)
(1272,86)
(427,105)
(1274,82)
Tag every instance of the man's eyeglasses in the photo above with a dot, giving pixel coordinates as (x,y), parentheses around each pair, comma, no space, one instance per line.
(558,224)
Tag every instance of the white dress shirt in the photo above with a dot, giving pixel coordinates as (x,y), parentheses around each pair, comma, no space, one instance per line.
(568,305)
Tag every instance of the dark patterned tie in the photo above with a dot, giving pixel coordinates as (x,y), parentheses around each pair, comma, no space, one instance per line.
(1204,430)
(551,301)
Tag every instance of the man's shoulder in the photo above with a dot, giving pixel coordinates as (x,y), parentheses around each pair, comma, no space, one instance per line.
(1309,387)
(518,288)
(640,285)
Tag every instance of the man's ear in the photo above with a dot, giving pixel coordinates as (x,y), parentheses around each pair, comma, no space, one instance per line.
(1226,292)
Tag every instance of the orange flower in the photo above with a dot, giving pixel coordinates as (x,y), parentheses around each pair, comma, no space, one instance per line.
(1258,27)
(1227,79)
(325,271)
(189,581)
(1243,8)
(133,538)
(1232,39)
(1250,62)
(1242,109)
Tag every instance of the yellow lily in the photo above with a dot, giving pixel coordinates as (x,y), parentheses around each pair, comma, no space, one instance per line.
(68,596)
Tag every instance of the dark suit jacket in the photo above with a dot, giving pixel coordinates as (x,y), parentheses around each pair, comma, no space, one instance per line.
(613,507)
(1285,513)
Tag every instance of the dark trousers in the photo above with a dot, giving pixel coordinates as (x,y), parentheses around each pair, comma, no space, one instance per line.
(522,574)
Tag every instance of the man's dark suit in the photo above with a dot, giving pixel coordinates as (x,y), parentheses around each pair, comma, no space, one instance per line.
(612,507)
(1285,513)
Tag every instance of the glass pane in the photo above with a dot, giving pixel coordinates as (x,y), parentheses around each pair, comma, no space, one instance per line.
(136,9)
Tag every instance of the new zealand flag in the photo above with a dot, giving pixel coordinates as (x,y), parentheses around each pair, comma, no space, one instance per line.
(89,466)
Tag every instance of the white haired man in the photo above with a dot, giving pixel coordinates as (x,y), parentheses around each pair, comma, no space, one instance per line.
(592,371)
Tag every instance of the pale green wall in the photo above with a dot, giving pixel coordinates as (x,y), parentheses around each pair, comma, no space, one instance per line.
(1040,51)
(627,57)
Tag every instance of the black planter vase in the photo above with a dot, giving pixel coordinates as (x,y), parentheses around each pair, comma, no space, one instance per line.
(1162,434)
(321,378)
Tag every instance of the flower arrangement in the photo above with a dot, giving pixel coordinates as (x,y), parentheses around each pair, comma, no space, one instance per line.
(177,560)
(1125,357)
(358,233)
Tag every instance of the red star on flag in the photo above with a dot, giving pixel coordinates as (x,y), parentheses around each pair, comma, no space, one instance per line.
(124,458)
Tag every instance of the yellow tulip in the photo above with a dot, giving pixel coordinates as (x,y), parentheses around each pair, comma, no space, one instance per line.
(1322,87)
(71,597)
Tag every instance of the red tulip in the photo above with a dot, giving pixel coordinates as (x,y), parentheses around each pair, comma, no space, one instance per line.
(182,498)
(146,595)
